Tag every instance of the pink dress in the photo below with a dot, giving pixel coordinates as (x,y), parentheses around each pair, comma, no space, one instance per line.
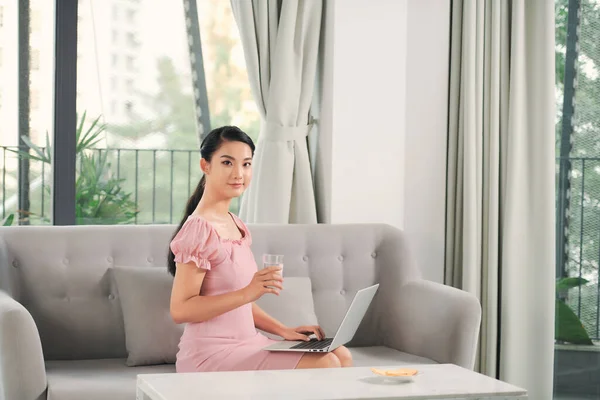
(230,341)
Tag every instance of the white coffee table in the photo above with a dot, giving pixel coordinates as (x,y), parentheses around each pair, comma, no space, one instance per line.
(442,381)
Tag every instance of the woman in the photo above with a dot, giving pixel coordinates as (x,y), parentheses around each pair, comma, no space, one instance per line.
(216,281)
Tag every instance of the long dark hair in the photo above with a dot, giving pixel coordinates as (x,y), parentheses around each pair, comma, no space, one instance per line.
(209,145)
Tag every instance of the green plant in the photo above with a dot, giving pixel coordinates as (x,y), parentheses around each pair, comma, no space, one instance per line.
(99,198)
(569,327)
(8,221)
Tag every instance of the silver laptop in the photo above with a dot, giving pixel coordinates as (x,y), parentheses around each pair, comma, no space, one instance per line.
(345,332)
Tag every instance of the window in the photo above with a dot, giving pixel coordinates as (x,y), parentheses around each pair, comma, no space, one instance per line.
(152,109)
(35,201)
(226,75)
(130,63)
(134,77)
(131,15)
(578,198)
(131,41)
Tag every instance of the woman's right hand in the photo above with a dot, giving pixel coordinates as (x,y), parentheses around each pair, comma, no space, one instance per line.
(267,280)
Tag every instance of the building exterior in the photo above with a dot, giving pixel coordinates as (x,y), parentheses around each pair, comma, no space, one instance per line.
(109,48)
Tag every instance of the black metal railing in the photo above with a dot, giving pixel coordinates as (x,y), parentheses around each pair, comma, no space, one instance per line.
(144,185)
(157,183)
(578,237)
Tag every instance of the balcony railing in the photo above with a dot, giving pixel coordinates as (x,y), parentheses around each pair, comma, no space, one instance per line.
(155,183)
(578,238)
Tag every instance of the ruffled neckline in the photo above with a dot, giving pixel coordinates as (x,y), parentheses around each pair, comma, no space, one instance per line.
(222,239)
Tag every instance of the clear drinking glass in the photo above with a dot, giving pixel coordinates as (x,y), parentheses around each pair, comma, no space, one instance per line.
(273,260)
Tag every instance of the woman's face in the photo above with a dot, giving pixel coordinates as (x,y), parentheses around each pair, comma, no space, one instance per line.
(230,170)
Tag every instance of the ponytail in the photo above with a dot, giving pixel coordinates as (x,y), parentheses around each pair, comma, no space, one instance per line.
(191,205)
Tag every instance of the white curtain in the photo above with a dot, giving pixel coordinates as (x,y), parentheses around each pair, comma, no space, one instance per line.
(501,171)
(281,43)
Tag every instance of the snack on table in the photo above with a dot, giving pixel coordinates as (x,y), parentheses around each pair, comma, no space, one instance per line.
(395,372)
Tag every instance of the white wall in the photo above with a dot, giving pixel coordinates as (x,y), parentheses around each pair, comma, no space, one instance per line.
(381,151)
(364,98)
(426,131)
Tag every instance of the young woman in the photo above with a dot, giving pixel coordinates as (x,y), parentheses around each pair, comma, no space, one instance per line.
(216,280)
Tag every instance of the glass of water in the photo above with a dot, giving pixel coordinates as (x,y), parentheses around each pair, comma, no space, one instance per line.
(273,260)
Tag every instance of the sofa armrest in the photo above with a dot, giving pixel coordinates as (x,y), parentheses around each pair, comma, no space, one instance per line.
(432,320)
(22,368)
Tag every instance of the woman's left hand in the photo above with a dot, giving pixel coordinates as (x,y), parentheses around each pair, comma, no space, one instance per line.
(302,333)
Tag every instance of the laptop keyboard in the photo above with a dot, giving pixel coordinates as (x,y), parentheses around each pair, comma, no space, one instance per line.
(314,344)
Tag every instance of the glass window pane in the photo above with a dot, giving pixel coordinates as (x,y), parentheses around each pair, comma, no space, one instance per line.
(577,350)
(229,94)
(25,185)
(136,81)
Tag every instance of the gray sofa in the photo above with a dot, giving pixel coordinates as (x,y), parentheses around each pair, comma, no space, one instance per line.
(64,328)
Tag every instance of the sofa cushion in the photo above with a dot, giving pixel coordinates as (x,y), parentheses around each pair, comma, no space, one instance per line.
(151,335)
(96,379)
(294,306)
(384,356)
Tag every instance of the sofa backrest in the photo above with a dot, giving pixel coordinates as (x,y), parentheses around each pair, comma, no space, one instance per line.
(60,275)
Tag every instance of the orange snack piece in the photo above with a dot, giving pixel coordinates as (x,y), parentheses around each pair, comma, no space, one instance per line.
(395,372)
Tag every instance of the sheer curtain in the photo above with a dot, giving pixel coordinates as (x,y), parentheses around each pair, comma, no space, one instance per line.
(281,42)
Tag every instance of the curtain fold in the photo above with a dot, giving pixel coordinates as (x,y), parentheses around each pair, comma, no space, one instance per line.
(281,42)
(500,182)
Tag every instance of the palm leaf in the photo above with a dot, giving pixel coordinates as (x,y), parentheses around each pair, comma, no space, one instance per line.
(92,136)
(80,127)
(40,154)
(48,147)
(27,155)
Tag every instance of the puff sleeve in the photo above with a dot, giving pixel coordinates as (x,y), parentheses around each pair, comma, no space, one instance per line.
(197,242)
